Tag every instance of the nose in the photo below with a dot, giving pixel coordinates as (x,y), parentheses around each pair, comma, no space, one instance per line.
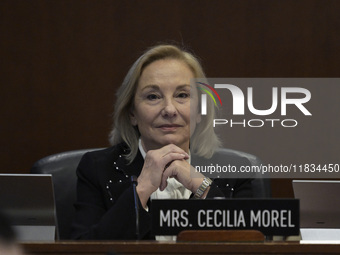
(169,110)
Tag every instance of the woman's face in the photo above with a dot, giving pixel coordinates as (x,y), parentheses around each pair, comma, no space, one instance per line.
(162,104)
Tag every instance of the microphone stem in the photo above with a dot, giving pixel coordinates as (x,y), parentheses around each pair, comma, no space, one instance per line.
(134,185)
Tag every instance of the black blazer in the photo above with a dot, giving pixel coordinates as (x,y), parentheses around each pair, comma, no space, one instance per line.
(105,203)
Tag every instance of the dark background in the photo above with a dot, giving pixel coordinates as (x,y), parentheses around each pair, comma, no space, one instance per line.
(62,61)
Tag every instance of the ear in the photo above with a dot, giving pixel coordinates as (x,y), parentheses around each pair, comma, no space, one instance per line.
(133,119)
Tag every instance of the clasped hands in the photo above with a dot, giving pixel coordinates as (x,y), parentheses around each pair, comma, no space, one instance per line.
(159,165)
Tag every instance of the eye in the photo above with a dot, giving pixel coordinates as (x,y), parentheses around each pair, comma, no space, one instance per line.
(152,97)
(183,95)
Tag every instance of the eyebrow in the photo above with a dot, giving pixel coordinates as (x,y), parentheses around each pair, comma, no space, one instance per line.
(151,86)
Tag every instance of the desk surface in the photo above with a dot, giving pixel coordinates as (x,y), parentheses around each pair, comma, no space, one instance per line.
(154,247)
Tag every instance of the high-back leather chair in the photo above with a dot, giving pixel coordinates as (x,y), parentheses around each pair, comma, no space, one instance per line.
(63,167)
(261,186)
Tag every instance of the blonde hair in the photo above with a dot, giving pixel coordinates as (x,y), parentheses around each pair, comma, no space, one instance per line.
(204,140)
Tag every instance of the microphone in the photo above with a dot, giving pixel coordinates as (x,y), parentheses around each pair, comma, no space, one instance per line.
(134,185)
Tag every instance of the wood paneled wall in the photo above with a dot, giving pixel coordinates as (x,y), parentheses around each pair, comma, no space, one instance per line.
(62,61)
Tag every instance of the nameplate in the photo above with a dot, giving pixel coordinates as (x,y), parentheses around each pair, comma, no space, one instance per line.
(270,216)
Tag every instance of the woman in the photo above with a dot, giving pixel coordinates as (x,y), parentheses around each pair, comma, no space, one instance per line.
(155,114)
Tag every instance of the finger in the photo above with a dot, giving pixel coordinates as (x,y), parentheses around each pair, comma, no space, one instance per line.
(163,185)
(171,148)
(167,165)
(164,181)
(167,159)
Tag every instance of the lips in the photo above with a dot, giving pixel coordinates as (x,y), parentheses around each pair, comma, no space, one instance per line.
(169,127)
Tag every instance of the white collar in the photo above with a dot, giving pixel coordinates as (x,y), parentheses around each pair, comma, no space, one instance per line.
(141,149)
